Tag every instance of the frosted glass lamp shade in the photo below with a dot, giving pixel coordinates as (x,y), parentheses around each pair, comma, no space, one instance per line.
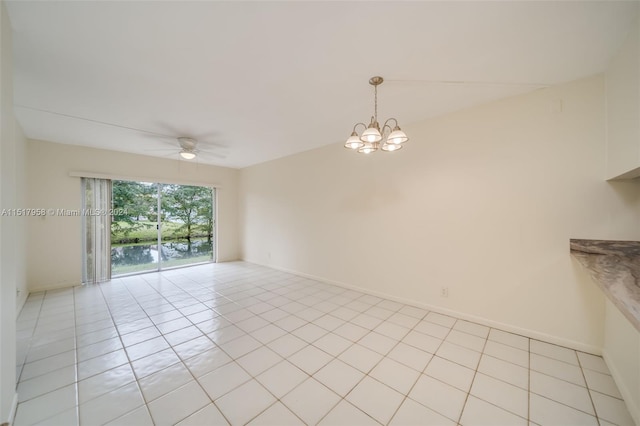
(353,142)
(368,148)
(390,147)
(371,135)
(397,137)
(187,155)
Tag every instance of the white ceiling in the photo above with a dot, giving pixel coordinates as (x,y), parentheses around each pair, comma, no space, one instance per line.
(255,81)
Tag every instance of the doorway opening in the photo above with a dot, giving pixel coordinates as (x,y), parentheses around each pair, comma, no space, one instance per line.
(158,226)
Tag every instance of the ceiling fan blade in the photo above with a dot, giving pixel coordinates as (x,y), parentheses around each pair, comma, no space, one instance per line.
(163,150)
(211,154)
(214,144)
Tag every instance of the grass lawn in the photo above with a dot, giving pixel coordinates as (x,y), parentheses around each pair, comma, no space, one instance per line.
(146,231)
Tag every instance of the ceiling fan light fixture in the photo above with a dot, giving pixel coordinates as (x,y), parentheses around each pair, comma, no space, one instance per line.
(187,155)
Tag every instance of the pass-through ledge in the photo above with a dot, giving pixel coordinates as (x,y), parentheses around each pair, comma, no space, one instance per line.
(615,266)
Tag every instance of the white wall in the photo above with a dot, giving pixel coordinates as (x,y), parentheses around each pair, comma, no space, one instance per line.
(482,201)
(621,340)
(621,348)
(12,229)
(19,243)
(54,243)
(623,108)
(622,355)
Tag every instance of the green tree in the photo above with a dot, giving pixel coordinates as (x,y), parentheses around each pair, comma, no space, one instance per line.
(190,205)
(206,213)
(131,201)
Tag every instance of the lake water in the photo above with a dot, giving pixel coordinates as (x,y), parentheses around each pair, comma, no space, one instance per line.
(142,257)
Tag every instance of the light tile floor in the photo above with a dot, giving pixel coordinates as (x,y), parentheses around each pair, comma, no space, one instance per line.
(235,343)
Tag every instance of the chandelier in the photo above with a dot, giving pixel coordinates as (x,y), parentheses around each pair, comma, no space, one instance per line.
(373,138)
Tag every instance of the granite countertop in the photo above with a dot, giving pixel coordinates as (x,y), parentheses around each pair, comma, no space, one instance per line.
(615,266)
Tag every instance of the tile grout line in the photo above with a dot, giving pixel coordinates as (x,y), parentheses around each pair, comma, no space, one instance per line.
(593,405)
(426,366)
(384,357)
(136,379)
(529,383)
(262,345)
(341,398)
(76,383)
(184,290)
(124,348)
(75,364)
(33,331)
(181,361)
(475,373)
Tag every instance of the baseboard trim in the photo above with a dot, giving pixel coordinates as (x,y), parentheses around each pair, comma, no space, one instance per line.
(627,395)
(533,334)
(53,287)
(22,299)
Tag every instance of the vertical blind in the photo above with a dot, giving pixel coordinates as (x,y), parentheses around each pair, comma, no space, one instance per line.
(96,230)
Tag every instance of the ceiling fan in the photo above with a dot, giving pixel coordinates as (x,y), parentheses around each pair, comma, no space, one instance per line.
(188,148)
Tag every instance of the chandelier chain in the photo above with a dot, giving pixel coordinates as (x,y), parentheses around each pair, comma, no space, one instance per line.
(375,111)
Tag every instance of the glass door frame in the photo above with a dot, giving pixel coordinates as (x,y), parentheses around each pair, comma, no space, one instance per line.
(214,233)
(159,224)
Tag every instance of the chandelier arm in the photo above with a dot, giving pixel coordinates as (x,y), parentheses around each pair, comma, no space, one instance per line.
(384,127)
(359,124)
(388,120)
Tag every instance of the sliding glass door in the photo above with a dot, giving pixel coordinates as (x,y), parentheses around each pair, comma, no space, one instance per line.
(134,232)
(186,228)
(158,226)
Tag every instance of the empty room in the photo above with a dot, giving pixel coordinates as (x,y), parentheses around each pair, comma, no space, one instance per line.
(320,213)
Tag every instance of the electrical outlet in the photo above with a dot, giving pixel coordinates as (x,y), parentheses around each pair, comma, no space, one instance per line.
(444,292)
